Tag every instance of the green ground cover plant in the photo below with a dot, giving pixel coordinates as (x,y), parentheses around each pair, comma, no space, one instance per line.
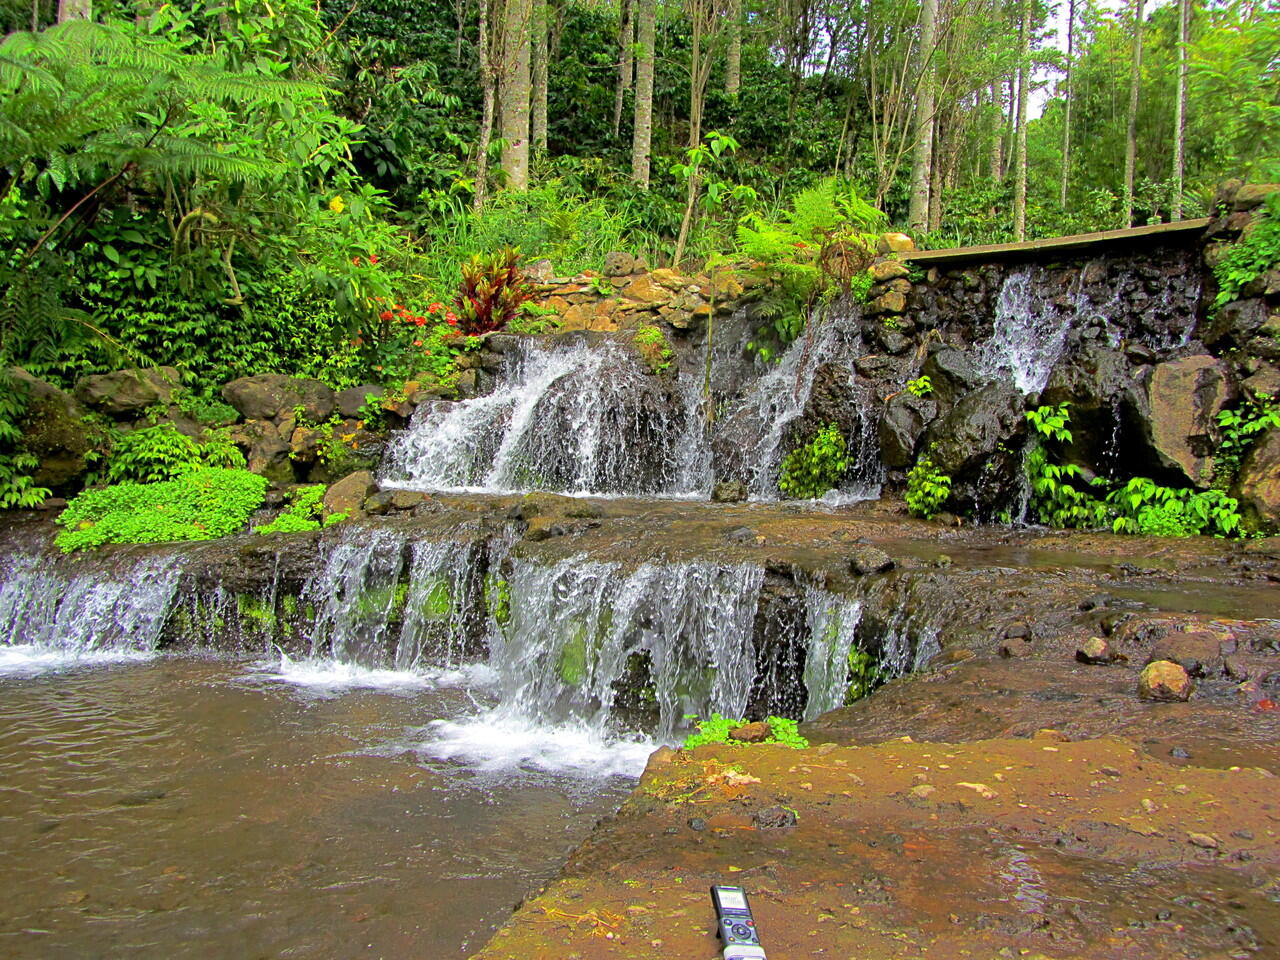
(203,504)
(813,468)
(715,729)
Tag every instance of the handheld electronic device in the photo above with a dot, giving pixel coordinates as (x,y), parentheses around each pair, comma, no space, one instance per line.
(735,925)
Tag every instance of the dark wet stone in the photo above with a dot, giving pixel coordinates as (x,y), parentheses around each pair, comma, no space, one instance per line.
(774,818)
(351,401)
(868,560)
(729,491)
(1180,753)
(740,535)
(903,420)
(697,823)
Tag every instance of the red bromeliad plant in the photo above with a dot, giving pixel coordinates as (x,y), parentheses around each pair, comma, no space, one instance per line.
(492,290)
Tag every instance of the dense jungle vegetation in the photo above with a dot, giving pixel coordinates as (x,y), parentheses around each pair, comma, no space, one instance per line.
(236,187)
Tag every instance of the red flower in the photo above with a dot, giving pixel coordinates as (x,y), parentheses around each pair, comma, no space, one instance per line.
(385,315)
(420,321)
(435,308)
(356,261)
(417,343)
(373,258)
(451,316)
(452,321)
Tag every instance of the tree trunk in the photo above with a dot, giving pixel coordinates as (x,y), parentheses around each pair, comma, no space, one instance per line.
(539,69)
(1131,136)
(1020,135)
(922,155)
(1066,108)
(486,115)
(514,94)
(626,44)
(997,132)
(697,91)
(642,133)
(1180,110)
(75,10)
(733,59)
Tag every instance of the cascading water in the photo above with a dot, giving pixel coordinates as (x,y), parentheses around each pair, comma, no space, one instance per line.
(779,397)
(1030,328)
(55,611)
(572,418)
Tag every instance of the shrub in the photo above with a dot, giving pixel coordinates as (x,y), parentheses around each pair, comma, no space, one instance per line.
(163,453)
(492,291)
(815,467)
(927,489)
(201,505)
(716,729)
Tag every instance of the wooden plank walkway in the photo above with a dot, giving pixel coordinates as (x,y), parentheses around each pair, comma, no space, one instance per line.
(1139,236)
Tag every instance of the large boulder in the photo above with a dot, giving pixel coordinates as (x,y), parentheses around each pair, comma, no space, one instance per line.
(266,452)
(951,373)
(349,494)
(351,401)
(126,393)
(54,431)
(977,445)
(903,419)
(968,437)
(1104,401)
(1259,483)
(1184,398)
(268,396)
(1233,324)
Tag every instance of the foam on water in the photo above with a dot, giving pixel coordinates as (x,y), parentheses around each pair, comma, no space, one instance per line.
(335,677)
(502,740)
(27,659)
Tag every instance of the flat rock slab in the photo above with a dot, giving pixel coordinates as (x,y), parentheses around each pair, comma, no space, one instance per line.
(994,848)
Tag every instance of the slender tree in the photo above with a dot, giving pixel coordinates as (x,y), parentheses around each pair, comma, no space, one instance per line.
(539,69)
(1020,131)
(733,57)
(1066,106)
(1180,110)
(1131,135)
(488,91)
(642,132)
(922,154)
(514,93)
(626,48)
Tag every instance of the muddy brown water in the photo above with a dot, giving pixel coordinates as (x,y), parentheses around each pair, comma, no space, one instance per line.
(187,808)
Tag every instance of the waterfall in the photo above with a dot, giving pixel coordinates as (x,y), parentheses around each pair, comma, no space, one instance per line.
(833,629)
(56,610)
(1030,328)
(577,627)
(780,396)
(575,418)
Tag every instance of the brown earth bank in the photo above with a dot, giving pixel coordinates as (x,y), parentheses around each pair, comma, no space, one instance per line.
(1010,801)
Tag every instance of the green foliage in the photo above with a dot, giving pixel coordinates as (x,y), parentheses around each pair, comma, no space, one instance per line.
(653,346)
(927,489)
(820,247)
(813,468)
(1256,252)
(921,386)
(534,319)
(865,674)
(1241,427)
(716,729)
(1063,497)
(492,291)
(201,505)
(161,452)
(17,487)
(306,504)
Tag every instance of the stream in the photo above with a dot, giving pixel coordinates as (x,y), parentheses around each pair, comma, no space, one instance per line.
(204,807)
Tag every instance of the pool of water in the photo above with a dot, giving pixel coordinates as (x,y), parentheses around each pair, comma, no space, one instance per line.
(184,807)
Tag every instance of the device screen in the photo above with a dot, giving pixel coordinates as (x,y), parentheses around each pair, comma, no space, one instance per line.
(731,899)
